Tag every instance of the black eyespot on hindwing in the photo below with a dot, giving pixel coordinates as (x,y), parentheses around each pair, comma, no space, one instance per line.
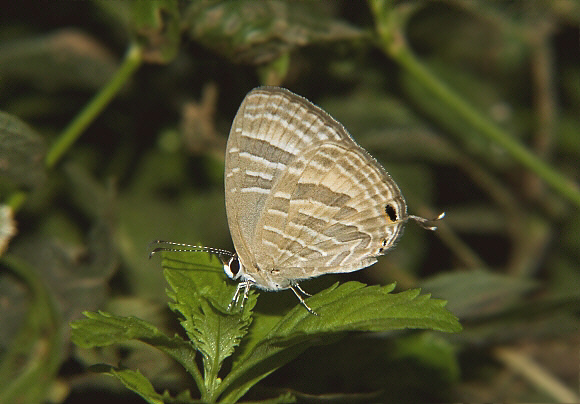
(391,212)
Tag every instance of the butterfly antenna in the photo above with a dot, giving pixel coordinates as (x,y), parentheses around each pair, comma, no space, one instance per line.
(424,222)
(182,247)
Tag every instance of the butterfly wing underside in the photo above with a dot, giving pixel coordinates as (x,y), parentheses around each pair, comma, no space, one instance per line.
(334,210)
(271,128)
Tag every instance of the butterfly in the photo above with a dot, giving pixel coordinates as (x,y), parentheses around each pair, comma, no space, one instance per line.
(303,199)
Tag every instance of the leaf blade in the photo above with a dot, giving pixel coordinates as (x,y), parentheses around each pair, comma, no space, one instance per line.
(348,307)
(201,296)
(102,329)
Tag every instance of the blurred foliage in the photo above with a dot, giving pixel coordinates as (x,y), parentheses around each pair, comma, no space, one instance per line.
(133,101)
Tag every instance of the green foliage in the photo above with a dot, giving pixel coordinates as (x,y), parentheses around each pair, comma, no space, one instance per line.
(21,149)
(201,296)
(156,27)
(113,124)
(253,27)
(41,325)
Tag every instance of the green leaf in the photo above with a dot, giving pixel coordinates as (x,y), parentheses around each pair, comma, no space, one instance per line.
(21,153)
(68,59)
(30,362)
(479,293)
(103,329)
(198,275)
(351,306)
(431,350)
(258,32)
(139,384)
(201,296)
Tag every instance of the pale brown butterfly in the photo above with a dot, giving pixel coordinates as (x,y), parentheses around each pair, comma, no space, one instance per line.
(303,199)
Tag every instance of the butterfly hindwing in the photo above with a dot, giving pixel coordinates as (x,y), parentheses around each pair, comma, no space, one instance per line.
(327,214)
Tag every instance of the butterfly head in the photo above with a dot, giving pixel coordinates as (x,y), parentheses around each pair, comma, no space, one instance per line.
(233,267)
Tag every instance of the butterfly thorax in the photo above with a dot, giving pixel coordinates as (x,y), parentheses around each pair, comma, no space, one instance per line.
(268,279)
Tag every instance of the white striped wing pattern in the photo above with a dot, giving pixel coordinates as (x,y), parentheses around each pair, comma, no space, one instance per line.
(302,198)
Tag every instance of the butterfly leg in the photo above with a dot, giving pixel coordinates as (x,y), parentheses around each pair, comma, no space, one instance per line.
(245,285)
(295,288)
(236,296)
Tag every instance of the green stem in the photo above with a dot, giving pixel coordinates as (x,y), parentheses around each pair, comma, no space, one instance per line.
(393,43)
(133,60)
(16,200)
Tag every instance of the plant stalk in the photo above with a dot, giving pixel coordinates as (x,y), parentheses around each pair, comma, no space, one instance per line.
(73,131)
(393,44)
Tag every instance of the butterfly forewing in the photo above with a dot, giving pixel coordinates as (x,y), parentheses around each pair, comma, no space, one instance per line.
(271,127)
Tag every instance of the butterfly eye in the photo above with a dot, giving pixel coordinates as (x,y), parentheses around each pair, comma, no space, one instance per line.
(232,268)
